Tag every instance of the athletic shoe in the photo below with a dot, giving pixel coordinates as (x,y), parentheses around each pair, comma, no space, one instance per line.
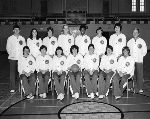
(30,96)
(76,95)
(125,84)
(12,91)
(44,95)
(97,94)
(117,97)
(92,95)
(101,96)
(141,91)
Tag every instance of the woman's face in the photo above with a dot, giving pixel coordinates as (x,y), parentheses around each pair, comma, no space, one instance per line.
(66,29)
(82,31)
(59,52)
(34,33)
(117,29)
(125,52)
(135,33)
(109,51)
(49,33)
(16,30)
(99,32)
(26,52)
(43,51)
(91,50)
(74,51)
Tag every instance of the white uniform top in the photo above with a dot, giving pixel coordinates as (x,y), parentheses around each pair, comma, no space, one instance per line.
(91,62)
(34,46)
(66,41)
(26,64)
(108,62)
(59,63)
(126,65)
(15,46)
(82,42)
(43,63)
(51,44)
(78,59)
(117,42)
(100,44)
(138,49)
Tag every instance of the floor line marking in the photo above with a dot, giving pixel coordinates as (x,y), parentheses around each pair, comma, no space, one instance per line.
(8,99)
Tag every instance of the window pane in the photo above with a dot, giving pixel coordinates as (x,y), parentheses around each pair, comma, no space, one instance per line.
(141,8)
(133,5)
(133,1)
(133,8)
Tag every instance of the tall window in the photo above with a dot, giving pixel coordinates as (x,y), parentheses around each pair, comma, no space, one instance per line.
(141,5)
(134,5)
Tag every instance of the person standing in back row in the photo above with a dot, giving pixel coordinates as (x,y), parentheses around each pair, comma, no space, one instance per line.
(99,42)
(50,42)
(65,40)
(14,47)
(138,50)
(34,42)
(83,41)
(117,40)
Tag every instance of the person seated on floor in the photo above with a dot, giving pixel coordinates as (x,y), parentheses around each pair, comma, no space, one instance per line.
(125,69)
(26,69)
(59,72)
(107,67)
(75,66)
(91,63)
(43,68)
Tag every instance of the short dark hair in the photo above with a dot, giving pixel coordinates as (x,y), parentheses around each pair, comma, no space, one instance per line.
(25,47)
(50,28)
(126,48)
(119,25)
(110,47)
(99,28)
(83,26)
(59,48)
(16,26)
(74,47)
(137,29)
(91,45)
(43,47)
(65,25)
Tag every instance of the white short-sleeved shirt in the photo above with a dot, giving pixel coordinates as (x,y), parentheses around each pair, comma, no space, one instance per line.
(83,42)
(138,49)
(51,44)
(15,46)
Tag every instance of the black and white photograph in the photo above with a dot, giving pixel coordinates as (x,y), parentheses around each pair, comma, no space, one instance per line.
(74,59)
